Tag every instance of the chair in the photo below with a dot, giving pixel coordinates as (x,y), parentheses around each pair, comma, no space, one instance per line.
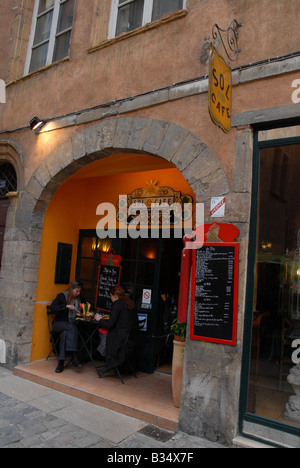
(54,337)
(129,348)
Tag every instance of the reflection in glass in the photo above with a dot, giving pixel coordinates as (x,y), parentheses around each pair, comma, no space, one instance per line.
(276,308)
(43,28)
(45,5)
(148,249)
(145,273)
(162,7)
(39,57)
(65,19)
(130,16)
(62,44)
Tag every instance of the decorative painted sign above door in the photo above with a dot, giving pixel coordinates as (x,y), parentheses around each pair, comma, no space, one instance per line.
(153,195)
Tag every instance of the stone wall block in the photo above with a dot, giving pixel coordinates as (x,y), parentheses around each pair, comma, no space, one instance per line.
(156,134)
(94,141)
(60,159)
(53,164)
(122,132)
(65,154)
(173,139)
(189,150)
(143,101)
(237,209)
(138,133)
(78,143)
(244,152)
(211,390)
(106,132)
(206,177)
(42,174)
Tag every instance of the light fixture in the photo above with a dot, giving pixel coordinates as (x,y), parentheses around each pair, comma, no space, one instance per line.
(101,245)
(36,124)
(106,245)
(96,244)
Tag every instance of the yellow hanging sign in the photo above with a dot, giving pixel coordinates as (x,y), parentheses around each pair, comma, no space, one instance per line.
(220,91)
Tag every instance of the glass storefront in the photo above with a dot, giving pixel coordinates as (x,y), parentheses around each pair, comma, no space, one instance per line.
(148,264)
(273,393)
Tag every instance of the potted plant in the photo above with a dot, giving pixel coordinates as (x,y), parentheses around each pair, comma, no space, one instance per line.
(179,331)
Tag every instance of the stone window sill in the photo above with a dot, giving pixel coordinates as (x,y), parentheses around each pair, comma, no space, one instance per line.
(147,27)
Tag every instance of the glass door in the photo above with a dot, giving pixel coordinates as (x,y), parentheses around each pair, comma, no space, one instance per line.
(150,275)
(88,261)
(269,390)
(140,278)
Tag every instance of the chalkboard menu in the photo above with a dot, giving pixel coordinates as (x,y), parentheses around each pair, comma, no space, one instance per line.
(108,276)
(214,293)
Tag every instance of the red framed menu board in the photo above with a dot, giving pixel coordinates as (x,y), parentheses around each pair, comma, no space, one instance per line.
(215,287)
(109,274)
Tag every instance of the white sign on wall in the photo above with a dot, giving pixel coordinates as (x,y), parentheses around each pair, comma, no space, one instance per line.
(217,209)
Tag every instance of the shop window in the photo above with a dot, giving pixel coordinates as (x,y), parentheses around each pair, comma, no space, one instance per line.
(8,179)
(50,33)
(8,183)
(276,292)
(127,15)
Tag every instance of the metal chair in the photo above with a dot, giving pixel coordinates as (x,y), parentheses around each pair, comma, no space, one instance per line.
(129,350)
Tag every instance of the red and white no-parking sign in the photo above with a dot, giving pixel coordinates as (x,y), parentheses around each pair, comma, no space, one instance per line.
(217,209)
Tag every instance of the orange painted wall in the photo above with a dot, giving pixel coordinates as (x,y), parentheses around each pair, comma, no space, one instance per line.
(73,207)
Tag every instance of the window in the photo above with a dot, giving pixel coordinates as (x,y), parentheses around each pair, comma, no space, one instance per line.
(127,15)
(273,304)
(50,33)
(8,179)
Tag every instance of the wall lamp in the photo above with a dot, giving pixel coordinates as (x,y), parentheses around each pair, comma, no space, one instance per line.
(36,124)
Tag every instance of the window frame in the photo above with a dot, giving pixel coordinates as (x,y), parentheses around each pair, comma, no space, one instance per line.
(52,36)
(147,15)
(244,414)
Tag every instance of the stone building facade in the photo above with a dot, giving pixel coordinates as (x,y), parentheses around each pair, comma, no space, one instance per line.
(143,92)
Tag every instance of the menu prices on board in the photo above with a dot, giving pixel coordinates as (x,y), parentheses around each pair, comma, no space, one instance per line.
(214,296)
(109,276)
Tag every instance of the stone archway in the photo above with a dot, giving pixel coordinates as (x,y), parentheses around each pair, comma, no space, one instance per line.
(163,139)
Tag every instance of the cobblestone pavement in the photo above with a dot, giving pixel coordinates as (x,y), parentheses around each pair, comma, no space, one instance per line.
(33,416)
(23,425)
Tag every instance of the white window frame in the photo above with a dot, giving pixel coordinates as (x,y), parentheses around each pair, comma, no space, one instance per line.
(53,35)
(147,14)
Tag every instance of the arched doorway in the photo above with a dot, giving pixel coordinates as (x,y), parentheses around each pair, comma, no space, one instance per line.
(164,140)
(149,264)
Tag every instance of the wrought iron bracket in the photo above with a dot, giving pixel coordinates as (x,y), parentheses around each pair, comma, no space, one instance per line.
(229,38)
